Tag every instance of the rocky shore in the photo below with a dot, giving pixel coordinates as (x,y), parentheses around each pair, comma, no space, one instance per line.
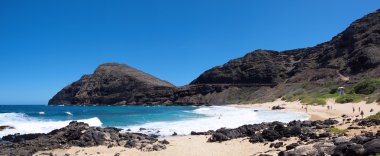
(314,138)
(77,134)
(330,132)
(343,136)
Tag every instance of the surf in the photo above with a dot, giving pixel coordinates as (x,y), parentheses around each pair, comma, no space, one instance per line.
(25,124)
(216,117)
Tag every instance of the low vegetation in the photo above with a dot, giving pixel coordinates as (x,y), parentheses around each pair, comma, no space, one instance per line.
(336,130)
(367,86)
(314,101)
(374,117)
(367,89)
(346,98)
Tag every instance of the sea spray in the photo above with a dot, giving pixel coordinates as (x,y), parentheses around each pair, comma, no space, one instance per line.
(24,124)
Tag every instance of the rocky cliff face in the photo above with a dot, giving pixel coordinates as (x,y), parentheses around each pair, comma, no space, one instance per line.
(114,83)
(353,52)
(258,76)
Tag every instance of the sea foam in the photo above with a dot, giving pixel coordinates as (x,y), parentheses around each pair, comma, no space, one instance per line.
(24,124)
(217,117)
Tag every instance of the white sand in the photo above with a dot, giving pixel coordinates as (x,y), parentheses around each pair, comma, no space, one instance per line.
(319,112)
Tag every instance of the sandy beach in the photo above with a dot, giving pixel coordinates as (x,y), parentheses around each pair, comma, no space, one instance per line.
(320,112)
(198,145)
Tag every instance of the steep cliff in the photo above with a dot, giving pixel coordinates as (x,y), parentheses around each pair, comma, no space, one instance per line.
(353,52)
(114,83)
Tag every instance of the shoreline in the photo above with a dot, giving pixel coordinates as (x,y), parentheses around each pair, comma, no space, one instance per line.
(198,145)
(319,112)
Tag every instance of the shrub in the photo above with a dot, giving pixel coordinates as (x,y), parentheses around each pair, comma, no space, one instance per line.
(348,98)
(313,101)
(329,96)
(374,117)
(336,130)
(319,101)
(367,86)
(333,91)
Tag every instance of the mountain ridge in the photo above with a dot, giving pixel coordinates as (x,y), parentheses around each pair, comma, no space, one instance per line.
(260,75)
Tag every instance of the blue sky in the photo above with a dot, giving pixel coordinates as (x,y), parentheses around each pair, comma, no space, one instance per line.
(45,45)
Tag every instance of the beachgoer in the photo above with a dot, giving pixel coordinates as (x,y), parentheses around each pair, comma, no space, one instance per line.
(362,113)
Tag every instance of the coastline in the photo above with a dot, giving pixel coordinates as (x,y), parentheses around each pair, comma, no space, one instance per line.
(319,112)
(198,145)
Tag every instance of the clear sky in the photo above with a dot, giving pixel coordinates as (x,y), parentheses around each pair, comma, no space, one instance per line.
(47,44)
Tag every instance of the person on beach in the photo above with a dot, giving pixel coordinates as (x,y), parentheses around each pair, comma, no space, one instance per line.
(359,109)
(361,113)
(353,109)
(328,107)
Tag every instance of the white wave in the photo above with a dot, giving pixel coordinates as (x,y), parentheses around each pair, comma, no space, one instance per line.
(217,117)
(24,124)
(41,113)
(69,113)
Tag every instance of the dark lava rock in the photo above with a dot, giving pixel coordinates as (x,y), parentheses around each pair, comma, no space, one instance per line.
(277,108)
(372,147)
(330,122)
(348,149)
(369,123)
(272,131)
(210,132)
(165,142)
(276,145)
(324,135)
(75,134)
(218,137)
(291,146)
(270,135)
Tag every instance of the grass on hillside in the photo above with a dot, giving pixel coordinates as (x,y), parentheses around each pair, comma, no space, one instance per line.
(367,86)
(367,89)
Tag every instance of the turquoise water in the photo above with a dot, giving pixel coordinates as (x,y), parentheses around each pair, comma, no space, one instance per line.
(160,120)
(109,116)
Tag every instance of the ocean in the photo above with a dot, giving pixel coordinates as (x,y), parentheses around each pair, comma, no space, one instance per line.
(159,120)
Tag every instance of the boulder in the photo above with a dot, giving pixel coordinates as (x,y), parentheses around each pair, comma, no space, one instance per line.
(372,147)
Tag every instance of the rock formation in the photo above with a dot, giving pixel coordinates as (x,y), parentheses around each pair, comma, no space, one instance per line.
(118,84)
(77,134)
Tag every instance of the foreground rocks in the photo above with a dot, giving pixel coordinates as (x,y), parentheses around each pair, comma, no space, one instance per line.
(274,130)
(361,145)
(77,134)
(313,137)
